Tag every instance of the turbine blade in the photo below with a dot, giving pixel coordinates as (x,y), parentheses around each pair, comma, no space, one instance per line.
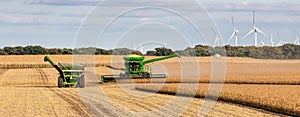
(231,37)
(261,32)
(263,43)
(232,20)
(248,34)
(214,30)
(254,17)
(278,36)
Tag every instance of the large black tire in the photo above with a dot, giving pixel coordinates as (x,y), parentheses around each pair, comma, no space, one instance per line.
(145,75)
(81,82)
(60,82)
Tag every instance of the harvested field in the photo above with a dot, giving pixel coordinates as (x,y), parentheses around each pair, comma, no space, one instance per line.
(246,73)
(34,92)
(279,98)
(118,101)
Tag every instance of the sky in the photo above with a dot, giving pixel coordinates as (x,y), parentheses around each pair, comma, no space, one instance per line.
(97,23)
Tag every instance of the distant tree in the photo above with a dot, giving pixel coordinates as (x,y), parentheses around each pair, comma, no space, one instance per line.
(288,50)
(163,51)
(151,53)
(2,52)
(202,51)
(121,51)
(272,53)
(9,50)
(87,51)
(137,52)
(54,51)
(67,51)
(35,50)
(100,51)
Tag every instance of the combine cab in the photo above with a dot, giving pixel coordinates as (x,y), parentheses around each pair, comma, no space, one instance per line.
(135,68)
(70,75)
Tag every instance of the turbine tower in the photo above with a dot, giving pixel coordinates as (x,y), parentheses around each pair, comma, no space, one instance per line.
(272,42)
(234,34)
(262,43)
(280,43)
(164,44)
(255,30)
(138,48)
(218,37)
(297,41)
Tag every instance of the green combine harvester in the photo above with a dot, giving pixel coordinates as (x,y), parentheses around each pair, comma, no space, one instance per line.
(135,68)
(70,75)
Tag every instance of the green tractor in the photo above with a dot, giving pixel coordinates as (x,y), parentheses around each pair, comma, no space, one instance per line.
(69,75)
(135,68)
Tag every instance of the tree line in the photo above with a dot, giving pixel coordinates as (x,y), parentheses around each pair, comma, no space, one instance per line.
(287,51)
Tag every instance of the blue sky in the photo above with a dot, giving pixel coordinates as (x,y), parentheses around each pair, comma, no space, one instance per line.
(55,23)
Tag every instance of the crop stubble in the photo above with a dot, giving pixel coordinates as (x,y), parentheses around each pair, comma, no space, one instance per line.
(33,92)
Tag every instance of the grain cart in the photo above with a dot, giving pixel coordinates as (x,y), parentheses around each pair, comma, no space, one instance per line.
(69,75)
(135,68)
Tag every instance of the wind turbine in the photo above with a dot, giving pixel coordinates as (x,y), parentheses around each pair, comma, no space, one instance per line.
(280,43)
(164,44)
(218,37)
(234,34)
(297,41)
(138,48)
(255,30)
(262,43)
(272,42)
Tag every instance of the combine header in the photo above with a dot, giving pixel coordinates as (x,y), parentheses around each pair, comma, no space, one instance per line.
(135,68)
(69,74)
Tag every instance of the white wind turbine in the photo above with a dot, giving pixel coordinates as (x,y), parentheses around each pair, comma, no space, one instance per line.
(255,30)
(271,40)
(297,41)
(218,37)
(280,43)
(139,48)
(262,43)
(234,34)
(164,44)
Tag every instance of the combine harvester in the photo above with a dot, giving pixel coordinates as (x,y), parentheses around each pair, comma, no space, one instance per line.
(70,75)
(135,68)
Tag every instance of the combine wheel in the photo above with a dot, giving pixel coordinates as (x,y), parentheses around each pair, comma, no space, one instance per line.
(81,82)
(145,75)
(60,82)
(121,75)
(126,75)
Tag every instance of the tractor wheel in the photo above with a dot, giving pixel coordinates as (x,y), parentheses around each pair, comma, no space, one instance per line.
(81,82)
(60,82)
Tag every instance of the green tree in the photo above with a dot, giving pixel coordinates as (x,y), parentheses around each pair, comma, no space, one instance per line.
(151,53)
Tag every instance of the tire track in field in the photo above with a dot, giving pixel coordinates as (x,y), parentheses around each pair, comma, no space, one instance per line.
(44,77)
(97,106)
(155,108)
(2,71)
(66,96)
(96,103)
(73,101)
